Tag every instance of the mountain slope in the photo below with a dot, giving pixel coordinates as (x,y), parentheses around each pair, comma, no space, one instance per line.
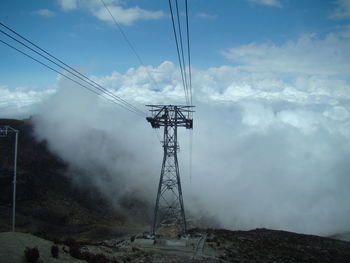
(48,204)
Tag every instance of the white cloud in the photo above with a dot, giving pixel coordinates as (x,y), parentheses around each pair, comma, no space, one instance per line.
(280,148)
(135,84)
(206,15)
(342,11)
(101,157)
(338,113)
(125,16)
(68,4)
(275,3)
(44,13)
(308,55)
(21,101)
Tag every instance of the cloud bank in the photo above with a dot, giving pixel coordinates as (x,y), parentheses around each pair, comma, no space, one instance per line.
(308,55)
(271,139)
(125,16)
(100,142)
(266,152)
(22,101)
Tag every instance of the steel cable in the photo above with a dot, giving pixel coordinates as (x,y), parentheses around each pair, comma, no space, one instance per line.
(178,51)
(69,69)
(60,73)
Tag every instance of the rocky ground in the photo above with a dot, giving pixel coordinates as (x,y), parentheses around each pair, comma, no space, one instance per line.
(263,245)
(259,245)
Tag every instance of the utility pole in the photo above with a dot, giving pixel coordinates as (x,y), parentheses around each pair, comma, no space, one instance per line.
(4,131)
(169,207)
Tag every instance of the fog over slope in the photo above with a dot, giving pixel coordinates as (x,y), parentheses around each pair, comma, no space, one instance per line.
(266,152)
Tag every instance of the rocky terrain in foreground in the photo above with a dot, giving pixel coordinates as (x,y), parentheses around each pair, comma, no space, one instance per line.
(263,245)
(85,227)
(260,245)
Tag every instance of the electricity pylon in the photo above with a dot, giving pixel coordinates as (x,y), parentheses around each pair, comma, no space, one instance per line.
(169,207)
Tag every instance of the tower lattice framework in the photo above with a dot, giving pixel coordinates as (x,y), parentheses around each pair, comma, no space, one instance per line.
(169,207)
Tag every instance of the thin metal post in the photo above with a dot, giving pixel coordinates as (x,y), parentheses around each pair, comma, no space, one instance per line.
(4,132)
(14,185)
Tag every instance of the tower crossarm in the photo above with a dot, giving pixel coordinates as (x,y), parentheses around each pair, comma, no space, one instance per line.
(171,115)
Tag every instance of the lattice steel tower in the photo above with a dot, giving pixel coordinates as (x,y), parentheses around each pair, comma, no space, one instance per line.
(169,207)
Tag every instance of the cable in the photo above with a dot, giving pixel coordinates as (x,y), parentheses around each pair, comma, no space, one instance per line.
(80,75)
(38,61)
(86,79)
(130,45)
(190,89)
(178,52)
(189,53)
(187,83)
(101,89)
(181,45)
(158,136)
(47,66)
(190,153)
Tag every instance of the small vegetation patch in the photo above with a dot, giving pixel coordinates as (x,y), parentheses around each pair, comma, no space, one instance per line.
(54,251)
(74,251)
(31,255)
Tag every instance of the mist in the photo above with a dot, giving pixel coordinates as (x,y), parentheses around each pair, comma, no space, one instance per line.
(252,168)
(106,147)
(277,164)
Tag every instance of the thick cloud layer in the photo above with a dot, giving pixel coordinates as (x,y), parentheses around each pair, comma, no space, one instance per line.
(256,166)
(107,147)
(21,102)
(266,152)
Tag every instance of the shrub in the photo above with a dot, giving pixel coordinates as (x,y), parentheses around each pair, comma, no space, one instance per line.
(54,251)
(85,256)
(74,251)
(70,242)
(99,258)
(31,254)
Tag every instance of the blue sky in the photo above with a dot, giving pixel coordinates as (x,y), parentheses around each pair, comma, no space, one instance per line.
(271,82)
(72,32)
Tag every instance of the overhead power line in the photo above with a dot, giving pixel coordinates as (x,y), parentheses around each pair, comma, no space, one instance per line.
(190,85)
(94,87)
(77,82)
(72,71)
(189,52)
(130,44)
(182,47)
(186,72)
(178,53)
(65,65)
